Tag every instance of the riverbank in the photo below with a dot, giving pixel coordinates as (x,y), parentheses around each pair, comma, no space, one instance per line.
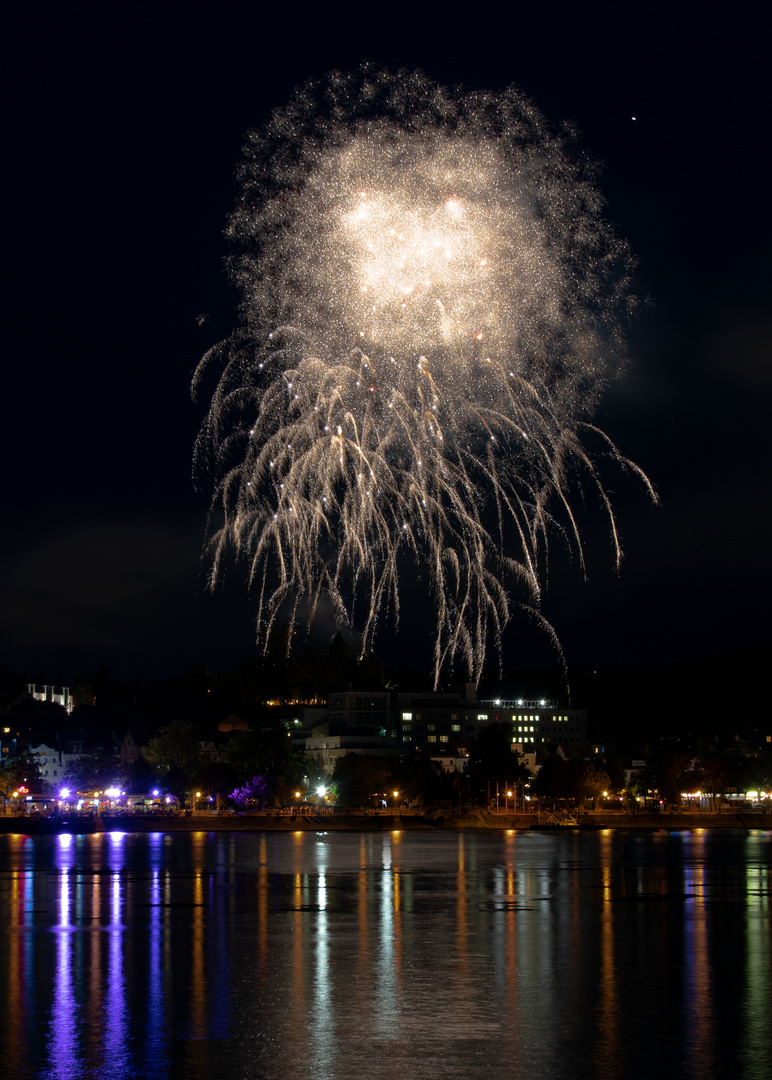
(344,822)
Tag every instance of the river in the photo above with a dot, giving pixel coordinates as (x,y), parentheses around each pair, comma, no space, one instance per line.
(318,956)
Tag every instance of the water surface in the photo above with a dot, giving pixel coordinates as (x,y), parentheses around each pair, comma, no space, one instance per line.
(266,956)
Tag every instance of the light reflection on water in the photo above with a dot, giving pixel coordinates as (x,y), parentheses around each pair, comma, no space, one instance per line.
(215,955)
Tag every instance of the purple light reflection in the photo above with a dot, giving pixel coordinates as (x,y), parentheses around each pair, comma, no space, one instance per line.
(117,854)
(116,1060)
(65,1011)
(156,990)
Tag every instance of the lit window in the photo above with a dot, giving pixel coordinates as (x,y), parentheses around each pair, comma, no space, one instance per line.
(482,716)
(455,727)
(443,738)
(407,716)
(431,738)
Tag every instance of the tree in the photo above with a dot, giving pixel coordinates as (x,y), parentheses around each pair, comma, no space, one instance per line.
(420,781)
(670,771)
(21,771)
(714,772)
(95,772)
(268,753)
(215,778)
(492,760)
(255,790)
(175,753)
(175,747)
(585,780)
(359,777)
(550,780)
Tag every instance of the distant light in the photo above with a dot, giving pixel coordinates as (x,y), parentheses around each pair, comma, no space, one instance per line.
(156,793)
(321,792)
(64,792)
(112,792)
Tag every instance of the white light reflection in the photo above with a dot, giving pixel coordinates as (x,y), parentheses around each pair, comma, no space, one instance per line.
(65,1012)
(323,1026)
(117,1063)
(386,1013)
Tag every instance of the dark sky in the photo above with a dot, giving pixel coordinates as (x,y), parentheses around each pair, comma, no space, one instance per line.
(123,134)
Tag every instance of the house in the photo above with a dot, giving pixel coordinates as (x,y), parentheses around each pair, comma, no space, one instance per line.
(50,763)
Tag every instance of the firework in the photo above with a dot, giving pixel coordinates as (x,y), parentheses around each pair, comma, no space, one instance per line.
(432,305)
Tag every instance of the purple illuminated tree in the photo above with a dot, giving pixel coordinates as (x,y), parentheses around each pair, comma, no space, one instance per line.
(253,791)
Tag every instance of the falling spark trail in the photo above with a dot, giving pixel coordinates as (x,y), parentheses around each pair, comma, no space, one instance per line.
(432,307)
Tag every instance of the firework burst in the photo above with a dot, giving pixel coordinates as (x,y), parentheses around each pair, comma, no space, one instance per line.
(431,308)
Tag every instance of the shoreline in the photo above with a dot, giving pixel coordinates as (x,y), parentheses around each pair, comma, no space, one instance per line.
(477,822)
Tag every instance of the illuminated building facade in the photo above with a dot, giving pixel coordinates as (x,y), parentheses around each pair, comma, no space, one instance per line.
(45,692)
(441,722)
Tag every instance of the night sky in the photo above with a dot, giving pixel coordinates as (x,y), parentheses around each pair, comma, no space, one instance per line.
(124,126)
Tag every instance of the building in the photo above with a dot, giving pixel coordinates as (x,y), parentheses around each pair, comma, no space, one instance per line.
(433,720)
(443,722)
(324,750)
(527,752)
(50,765)
(540,720)
(452,763)
(359,712)
(46,692)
